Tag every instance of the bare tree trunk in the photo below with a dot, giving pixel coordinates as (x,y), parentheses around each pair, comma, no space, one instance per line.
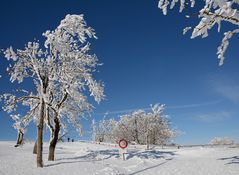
(136,132)
(54,139)
(44,85)
(40,134)
(147,139)
(35,148)
(55,130)
(147,146)
(20,138)
(153,137)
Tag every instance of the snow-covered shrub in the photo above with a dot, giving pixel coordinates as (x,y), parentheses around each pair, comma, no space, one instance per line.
(222,141)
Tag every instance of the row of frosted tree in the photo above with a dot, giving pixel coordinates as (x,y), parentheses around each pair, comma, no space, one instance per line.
(140,127)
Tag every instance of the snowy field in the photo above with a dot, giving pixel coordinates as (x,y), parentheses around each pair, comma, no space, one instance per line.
(91,159)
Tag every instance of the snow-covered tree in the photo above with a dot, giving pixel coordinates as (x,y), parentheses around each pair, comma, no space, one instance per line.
(156,127)
(212,12)
(62,73)
(139,127)
(103,131)
(130,127)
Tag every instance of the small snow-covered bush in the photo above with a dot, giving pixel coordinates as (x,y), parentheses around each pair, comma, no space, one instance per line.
(222,141)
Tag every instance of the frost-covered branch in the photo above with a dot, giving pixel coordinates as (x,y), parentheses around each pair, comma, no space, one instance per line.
(225,42)
(62,75)
(214,12)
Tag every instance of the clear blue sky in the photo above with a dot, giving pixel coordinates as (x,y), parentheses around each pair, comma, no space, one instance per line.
(146,60)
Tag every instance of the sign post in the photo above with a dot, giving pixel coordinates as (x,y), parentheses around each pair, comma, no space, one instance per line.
(123,145)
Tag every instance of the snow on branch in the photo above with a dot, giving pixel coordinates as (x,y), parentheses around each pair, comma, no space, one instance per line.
(214,12)
(225,42)
(164,4)
(61,72)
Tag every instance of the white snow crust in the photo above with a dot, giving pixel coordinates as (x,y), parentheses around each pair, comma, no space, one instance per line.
(97,159)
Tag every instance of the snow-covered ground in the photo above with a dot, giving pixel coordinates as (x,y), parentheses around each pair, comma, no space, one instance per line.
(92,159)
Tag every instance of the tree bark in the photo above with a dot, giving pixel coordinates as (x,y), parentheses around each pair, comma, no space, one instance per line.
(55,130)
(40,134)
(54,139)
(148,139)
(44,84)
(147,142)
(153,137)
(136,132)
(35,148)
(20,138)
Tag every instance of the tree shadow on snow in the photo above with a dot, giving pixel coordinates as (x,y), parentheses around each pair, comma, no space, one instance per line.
(148,168)
(233,160)
(149,154)
(91,156)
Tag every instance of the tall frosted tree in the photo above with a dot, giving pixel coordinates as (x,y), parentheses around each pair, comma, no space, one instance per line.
(210,13)
(61,73)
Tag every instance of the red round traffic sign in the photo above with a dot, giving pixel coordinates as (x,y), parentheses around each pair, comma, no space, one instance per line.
(123,143)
